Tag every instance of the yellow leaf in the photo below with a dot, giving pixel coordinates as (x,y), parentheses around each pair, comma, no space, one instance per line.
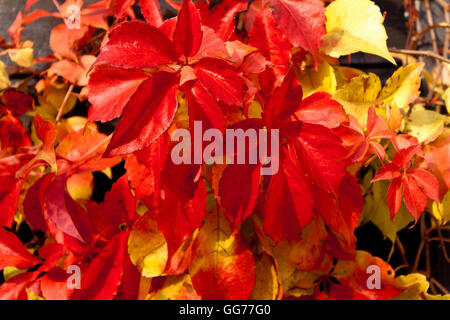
(322,79)
(425,125)
(416,286)
(255,110)
(441,210)
(354,26)
(447,99)
(32,296)
(107,172)
(147,247)
(4,77)
(343,75)
(358,95)
(80,186)
(175,288)
(402,88)
(10,272)
(267,286)
(22,57)
(51,98)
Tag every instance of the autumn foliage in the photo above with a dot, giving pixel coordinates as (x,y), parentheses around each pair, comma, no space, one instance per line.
(352,151)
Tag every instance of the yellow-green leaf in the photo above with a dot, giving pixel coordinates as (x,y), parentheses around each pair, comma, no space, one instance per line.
(22,57)
(147,247)
(425,125)
(358,95)
(267,285)
(4,77)
(322,79)
(441,210)
(447,99)
(402,88)
(354,26)
(376,211)
(416,286)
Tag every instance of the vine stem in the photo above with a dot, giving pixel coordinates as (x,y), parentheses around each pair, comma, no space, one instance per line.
(420,53)
(63,104)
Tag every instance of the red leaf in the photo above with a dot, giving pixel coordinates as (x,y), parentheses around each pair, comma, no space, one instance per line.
(222,80)
(415,200)
(46,131)
(29,4)
(13,136)
(17,101)
(10,188)
(182,179)
(394,196)
(222,266)
(238,190)
(188,33)
(427,182)
(177,219)
(320,153)
(120,6)
(272,44)
(284,100)
(387,172)
(103,275)
(320,108)
(404,156)
(147,115)
(288,201)
(54,285)
(13,252)
(151,11)
(203,107)
(14,288)
(16,29)
(377,127)
(342,213)
(136,44)
(221,17)
(66,42)
(67,215)
(302,22)
(144,168)
(32,207)
(119,205)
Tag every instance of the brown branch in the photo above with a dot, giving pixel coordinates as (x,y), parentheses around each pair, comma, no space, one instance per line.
(439,285)
(441,239)
(420,53)
(402,250)
(418,36)
(430,22)
(63,104)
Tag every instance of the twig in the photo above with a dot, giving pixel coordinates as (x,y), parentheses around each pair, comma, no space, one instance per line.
(63,104)
(439,285)
(430,22)
(424,31)
(441,239)
(420,53)
(402,250)
(423,238)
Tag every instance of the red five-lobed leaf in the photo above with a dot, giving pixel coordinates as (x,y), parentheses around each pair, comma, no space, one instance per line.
(147,115)
(13,252)
(136,44)
(301,21)
(188,33)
